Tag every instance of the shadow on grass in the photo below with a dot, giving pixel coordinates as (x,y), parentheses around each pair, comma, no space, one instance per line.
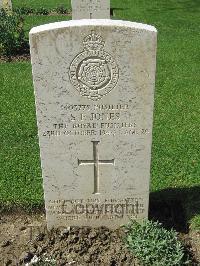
(174,208)
(113,9)
(191,5)
(26,208)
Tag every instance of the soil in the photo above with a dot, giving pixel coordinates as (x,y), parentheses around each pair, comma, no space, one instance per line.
(24,239)
(194,237)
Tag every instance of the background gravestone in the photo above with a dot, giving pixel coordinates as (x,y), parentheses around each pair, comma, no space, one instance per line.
(87,9)
(94,88)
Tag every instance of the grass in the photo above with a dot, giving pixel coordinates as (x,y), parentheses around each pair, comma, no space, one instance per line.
(19,154)
(33,21)
(175,161)
(50,4)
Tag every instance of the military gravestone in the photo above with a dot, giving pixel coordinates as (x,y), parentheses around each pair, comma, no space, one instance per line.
(94,89)
(90,9)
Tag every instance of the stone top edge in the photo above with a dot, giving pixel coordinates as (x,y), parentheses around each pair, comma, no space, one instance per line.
(92,22)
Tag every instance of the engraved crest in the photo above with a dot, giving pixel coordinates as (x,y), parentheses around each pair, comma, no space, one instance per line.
(93,72)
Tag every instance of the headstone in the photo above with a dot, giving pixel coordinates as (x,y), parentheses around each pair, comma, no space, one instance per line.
(90,9)
(94,89)
(6,4)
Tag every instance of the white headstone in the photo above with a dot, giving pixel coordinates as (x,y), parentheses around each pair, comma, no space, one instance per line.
(90,9)
(94,89)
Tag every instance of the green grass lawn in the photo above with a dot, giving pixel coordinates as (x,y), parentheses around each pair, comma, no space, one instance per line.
(50,4)
(176,141)
(33,21)
(19,154)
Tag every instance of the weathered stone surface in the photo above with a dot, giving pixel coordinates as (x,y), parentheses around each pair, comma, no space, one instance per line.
(6,4)
(94,89)
(87,9)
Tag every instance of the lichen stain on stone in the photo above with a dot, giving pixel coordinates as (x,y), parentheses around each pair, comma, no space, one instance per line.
(7,4)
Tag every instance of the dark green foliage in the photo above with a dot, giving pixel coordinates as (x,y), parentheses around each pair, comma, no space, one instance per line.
(41,11)
(31,11)
(12,35)
(23,10)
(61,9)
(154,245)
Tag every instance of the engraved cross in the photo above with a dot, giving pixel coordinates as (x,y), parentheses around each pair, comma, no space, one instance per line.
(96,162)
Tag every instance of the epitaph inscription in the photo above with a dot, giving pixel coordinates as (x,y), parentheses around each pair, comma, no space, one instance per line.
(95,209)
(93,72)
(94,89)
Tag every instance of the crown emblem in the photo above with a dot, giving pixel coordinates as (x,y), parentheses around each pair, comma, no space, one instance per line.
(93,42)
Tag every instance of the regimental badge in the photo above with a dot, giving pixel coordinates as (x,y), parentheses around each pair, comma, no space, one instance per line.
(93,72)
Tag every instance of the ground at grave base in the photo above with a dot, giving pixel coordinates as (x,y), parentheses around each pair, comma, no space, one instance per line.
(24,238)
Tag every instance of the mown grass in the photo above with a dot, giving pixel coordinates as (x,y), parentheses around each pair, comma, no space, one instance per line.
(19,154)
(33,21)
(175,160)
(50,4)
